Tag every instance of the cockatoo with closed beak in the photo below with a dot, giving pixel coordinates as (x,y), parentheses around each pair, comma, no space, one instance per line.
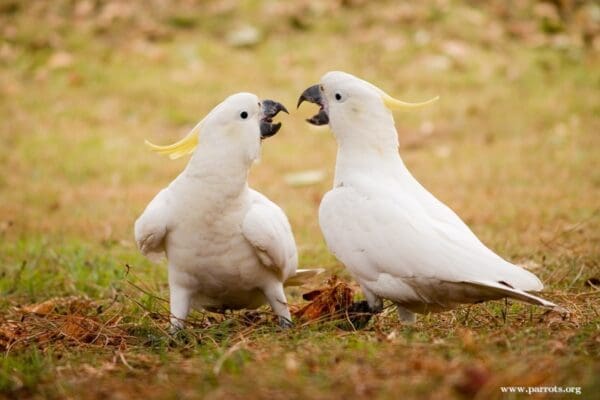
(228,246)
(397,240)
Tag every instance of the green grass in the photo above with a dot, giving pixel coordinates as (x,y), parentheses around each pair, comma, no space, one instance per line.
(513,147)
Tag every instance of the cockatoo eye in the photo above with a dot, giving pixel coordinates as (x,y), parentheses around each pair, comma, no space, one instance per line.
(244,115)
(340,97)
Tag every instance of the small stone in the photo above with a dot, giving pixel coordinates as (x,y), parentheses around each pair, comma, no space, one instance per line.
(245,36)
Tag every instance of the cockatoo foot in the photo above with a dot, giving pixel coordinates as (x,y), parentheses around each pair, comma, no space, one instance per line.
(176,325)
(407,317)
(285,323)
(360,314)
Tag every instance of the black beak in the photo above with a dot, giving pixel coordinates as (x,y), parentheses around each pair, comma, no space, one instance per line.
(270,109)
(313,95)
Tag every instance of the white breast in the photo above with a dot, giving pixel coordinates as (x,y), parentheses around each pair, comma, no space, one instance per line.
(208,253)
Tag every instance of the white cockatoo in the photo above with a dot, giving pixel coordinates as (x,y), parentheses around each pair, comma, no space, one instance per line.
(397,240)
(227,246)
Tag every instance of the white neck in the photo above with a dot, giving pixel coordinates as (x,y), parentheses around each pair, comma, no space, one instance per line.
(219,170)
(371,153)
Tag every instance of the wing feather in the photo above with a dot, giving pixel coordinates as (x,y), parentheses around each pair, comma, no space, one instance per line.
(395,245)
(267,228)
(151,227)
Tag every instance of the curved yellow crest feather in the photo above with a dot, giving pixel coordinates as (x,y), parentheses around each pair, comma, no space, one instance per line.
(180,148)
(395,104)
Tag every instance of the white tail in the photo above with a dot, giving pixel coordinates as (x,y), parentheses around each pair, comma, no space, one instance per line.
(303,275)
(506,291)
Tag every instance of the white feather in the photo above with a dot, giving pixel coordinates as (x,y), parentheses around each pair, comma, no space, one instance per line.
(266,227)
(228,246)
(396,238)
(151,227)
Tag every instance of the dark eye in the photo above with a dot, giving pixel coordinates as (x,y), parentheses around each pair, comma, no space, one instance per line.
(338,96)
(244,114)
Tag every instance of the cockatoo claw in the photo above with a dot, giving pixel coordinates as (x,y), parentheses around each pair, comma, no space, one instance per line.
(285,323)
(360,314)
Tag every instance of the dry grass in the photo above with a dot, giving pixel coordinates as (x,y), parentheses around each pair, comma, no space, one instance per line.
(512,146)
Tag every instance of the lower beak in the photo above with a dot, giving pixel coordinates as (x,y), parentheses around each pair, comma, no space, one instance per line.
(313,95)
(270,109)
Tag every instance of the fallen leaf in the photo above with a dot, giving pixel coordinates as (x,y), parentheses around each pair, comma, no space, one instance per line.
(559,318)
(43,308)
(328,303)
(10,331)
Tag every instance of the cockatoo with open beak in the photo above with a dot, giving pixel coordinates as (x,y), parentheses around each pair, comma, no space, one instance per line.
(228,246)
(397,240)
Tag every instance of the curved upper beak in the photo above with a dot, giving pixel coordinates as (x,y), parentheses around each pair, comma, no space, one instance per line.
(270,109)
(314,95)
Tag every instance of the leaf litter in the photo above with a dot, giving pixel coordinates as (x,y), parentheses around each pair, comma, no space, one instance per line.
(79,321)
(70,321)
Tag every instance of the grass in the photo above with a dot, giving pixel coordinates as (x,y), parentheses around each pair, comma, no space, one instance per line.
(512,146)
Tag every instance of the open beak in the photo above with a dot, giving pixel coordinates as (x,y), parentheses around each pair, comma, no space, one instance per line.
(270,109)
(314,95)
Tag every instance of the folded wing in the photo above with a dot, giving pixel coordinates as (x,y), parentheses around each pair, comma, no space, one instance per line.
(267,228)
(151,227)
(399,251)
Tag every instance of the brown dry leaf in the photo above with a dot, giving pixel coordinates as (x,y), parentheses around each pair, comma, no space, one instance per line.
(556,319)
(80,328)
(60,305)
(70,321)
(327,303)
(43,308)
(9,333)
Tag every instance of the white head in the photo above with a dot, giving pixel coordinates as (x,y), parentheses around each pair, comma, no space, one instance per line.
(235,126)
(357,111)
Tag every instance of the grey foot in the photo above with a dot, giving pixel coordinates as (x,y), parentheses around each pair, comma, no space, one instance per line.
(360,314)
(285,323)
(406,316)
(176,326)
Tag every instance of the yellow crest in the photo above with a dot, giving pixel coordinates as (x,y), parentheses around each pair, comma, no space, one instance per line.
(395,104)
(178,149)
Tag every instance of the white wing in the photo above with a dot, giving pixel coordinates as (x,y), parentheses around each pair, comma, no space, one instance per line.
(394,247)
(151,227)
(267,228)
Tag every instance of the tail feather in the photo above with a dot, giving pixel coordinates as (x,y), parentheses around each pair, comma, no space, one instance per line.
(525,280)
(303,275)
(502,290)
